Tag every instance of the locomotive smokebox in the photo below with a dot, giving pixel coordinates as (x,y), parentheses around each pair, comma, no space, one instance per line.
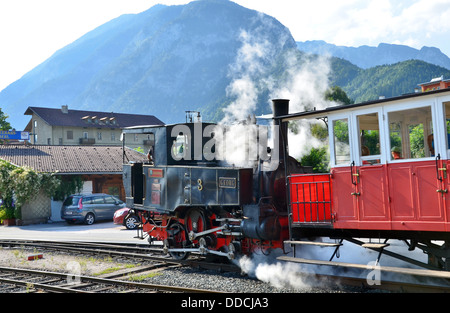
(280,107)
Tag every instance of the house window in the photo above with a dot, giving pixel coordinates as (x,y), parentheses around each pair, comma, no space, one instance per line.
(99,135)
(85,135)
(113,136)
(35,123)
(49,141)
(70,134)
(60,141)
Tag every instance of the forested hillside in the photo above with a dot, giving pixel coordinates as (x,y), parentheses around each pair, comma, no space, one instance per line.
(384,80)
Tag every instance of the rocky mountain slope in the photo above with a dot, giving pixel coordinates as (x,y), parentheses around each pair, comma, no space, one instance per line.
(163,61)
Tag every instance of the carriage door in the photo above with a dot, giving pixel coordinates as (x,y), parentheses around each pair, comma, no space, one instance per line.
(369,172)
(416,176)
(359,173)
(342,178)
(444,169)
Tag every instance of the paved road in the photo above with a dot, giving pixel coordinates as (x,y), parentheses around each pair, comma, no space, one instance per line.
(101,231)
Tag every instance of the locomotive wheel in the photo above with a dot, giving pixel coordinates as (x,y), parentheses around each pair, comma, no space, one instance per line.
(195,221)
(177,240)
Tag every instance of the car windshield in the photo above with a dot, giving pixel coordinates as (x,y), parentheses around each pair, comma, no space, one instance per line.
(71,201)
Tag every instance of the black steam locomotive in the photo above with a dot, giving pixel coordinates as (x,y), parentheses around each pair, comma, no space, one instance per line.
(191,197)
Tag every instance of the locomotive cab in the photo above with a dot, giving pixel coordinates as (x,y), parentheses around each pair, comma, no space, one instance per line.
(173,151)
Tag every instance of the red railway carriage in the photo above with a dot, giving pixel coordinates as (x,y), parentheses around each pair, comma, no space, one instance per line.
(388,172)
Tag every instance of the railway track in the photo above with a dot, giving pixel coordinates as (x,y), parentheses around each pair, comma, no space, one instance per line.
(123,251)
(28,280)
(153,260)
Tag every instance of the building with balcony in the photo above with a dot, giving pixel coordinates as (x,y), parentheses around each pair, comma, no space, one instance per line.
(437,83)
(64,126)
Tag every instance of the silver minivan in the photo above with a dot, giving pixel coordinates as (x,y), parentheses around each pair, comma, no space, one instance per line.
(88,208)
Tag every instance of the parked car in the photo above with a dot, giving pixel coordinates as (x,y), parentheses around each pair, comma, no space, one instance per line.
(88,208)
(127,218)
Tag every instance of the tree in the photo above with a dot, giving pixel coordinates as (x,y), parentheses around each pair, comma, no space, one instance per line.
(318,159)
(4,125)
(338,95)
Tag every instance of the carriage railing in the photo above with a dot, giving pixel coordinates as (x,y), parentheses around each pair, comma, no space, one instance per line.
(310,198)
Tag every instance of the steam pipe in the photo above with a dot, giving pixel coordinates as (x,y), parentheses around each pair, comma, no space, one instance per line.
(280,107)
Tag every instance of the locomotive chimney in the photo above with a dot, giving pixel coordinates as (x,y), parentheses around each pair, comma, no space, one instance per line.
(280,108)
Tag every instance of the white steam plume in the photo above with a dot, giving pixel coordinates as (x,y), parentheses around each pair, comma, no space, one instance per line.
(277,274)
(304,81)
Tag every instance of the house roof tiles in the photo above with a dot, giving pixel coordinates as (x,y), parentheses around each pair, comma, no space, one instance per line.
(69,159)
(80,118)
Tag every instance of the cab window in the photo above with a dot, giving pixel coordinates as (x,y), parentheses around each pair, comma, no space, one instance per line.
(179,147)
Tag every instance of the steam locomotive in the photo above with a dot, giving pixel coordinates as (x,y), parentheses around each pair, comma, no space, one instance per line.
(194,201)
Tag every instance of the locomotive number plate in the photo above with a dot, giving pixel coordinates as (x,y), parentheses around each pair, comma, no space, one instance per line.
(227,182)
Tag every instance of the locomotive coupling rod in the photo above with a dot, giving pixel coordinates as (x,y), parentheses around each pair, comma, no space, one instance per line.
(193,235)
(203,251)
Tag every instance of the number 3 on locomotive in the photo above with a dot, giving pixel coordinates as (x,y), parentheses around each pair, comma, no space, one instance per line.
(200,184)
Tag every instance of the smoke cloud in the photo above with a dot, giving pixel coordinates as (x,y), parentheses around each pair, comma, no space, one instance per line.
(304,81)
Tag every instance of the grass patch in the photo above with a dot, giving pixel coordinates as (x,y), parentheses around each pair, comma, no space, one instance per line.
(114,269)
(139,278)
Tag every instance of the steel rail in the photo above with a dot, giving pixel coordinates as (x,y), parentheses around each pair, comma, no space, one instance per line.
(91,279)
(54,245)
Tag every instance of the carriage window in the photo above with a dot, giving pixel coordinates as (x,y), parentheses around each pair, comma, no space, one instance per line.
(341,141)
(411,134)
(447,122)
(369,138)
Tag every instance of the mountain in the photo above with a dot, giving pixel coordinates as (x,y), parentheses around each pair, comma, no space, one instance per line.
(204,56)
(366,57)
(383,80)
(163,61)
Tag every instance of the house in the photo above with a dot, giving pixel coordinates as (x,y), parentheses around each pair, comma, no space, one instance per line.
(435,84)
(50,126)
(100,167)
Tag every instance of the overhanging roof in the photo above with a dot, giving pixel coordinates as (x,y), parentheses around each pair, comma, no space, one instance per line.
(330,110)
(69,159)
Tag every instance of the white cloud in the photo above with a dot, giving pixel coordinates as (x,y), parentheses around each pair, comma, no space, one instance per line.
(362,22)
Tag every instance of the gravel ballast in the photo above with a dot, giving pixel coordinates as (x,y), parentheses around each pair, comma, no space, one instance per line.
(262,278)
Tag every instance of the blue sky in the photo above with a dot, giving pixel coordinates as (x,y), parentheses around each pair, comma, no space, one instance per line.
(31,30)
